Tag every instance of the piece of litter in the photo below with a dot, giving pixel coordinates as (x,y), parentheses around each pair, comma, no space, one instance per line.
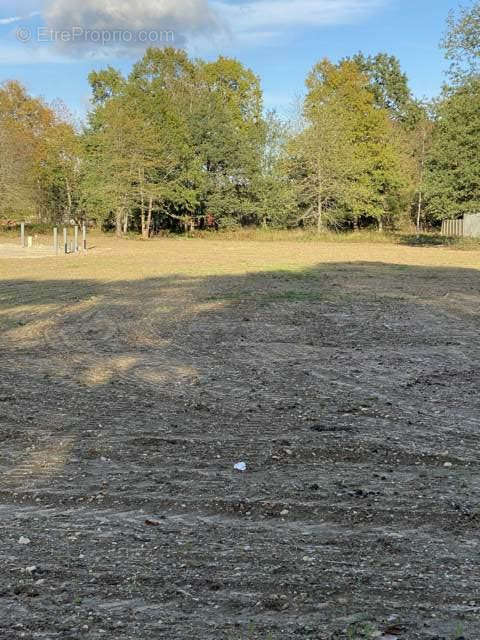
(240,466)
(285,512)
(448,465)
(24,540)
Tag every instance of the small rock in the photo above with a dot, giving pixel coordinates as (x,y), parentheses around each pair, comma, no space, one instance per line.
(240,466)
(24,540)
(285,512)
(150,522)
(448,465)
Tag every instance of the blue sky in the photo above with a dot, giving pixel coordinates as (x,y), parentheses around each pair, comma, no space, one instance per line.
(279,39)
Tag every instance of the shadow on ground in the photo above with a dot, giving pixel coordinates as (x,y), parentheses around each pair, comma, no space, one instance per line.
(431,240)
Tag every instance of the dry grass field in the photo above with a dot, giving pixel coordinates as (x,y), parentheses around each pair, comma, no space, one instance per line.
(134,378)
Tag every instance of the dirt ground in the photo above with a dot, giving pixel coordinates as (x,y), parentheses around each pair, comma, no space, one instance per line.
(133,379)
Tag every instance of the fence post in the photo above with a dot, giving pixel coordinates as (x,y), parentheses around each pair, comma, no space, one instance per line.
(65,239)
(75,239)
(22,234)
(55,240)
(84,233)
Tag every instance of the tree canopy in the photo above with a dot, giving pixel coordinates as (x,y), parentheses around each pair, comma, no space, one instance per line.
(182,143)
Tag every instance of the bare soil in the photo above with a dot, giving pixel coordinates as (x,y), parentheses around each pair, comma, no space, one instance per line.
(135,378)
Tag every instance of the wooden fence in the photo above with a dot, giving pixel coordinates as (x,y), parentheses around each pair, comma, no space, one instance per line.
(452,228)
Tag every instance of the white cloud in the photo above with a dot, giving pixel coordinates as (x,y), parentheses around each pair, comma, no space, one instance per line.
(197,22)
(14,19)
(185,18)
(10,20)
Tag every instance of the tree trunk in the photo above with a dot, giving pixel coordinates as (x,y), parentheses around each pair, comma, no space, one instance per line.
(419,212)
(420,184)
(146,233)
(319,203)
(319,214)
(142,203)
(118,222)
(69,200)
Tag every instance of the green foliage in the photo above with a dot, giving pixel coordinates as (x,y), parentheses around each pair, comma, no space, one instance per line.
(348,161)
(453,175)
(462,42)
(39,164)
(174,142)
(388,83)
(182,144)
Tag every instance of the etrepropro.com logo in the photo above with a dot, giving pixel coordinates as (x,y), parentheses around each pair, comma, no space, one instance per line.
(103,37)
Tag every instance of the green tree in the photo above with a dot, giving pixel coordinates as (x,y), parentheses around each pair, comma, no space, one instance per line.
(39,165)
(420,142)
(349,157)
(140,161)
(461,42)
(273,189)
(388,83)
(230,134)
(452,174)
(109,170)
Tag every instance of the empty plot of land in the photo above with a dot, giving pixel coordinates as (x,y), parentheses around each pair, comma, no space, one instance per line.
(346,377)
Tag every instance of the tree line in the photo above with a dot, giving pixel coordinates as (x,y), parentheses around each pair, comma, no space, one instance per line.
(181,143)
